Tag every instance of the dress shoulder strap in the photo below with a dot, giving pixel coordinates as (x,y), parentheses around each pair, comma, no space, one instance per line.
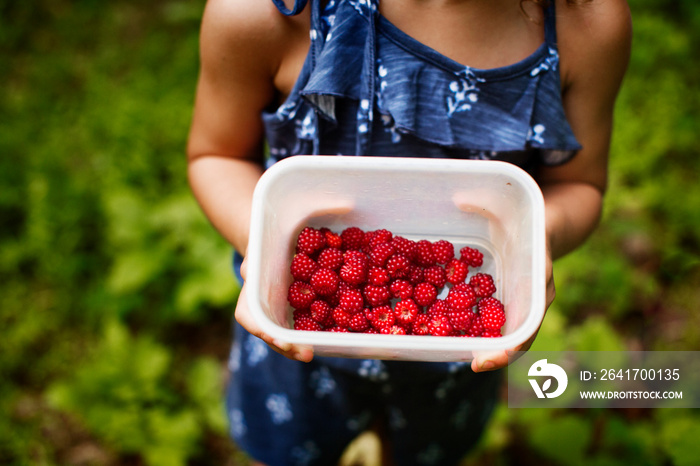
(316,24)
(550,24)
(299,5)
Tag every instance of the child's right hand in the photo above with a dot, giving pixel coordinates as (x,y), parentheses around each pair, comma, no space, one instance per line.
(243,316)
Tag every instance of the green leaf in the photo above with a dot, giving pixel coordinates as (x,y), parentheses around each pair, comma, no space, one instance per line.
(174,437)
(680,440)
(552,334)
(205,382)
(595,334)
(563,439)
(214,286)
(134,269)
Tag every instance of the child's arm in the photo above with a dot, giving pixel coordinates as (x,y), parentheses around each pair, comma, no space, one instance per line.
(594,46)
(594,42)
(242,46)
(224,148)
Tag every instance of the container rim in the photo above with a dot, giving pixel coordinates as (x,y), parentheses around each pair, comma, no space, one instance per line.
(288,166)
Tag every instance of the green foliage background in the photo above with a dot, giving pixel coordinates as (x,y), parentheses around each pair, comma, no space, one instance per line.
(116,294)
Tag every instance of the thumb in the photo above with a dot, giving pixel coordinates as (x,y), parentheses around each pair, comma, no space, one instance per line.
(486,360)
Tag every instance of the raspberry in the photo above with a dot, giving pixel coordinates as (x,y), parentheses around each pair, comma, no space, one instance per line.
(424,294)
(354,270)
(476,329)
(301,313)
(492,313)
(405,246)
(333,240)
(324,281)
(300,295)
(381,317)
(439,325)
(331,258)
(435,275)
(491,333)
(401,289)
(351,300)
(415,274)
(338,329)
(460,300)
(337,275)
(425,256)
(438,307)
(456,271)
(397,265)
(321,312)
(341,317)
(334,300)
(380,253)
(343,285)
(353,238)
(310,240)
(483,285)
(376,295)
(353,256)
(471,256)
(303,267)
(462,287)
(393,330)
(377,276)
(420,325)
(353,274)
(461,320)
(380,236)
(406,311)
(444,251)
(366,248)
(358,322)
(307,323)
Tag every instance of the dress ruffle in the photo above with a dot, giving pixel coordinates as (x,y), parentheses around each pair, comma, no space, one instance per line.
(436,99)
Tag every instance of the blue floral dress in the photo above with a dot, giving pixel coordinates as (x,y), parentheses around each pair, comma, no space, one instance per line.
(367,88)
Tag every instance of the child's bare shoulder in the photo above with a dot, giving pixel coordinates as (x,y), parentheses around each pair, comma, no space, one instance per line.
(593,34)
(250,30)
(597,20)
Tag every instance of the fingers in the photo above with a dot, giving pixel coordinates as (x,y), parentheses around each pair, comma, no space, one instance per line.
(485,361)
(301,353)
(489,360)
(492,360)
(243,316)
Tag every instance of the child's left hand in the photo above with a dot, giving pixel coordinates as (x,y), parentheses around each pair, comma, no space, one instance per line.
(243,316)
(491,360)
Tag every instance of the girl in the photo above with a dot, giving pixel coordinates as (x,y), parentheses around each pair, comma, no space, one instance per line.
(529,82)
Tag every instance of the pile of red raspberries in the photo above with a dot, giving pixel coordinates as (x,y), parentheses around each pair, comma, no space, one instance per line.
(377,282)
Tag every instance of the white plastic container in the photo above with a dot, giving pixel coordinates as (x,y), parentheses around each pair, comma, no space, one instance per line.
(494,206)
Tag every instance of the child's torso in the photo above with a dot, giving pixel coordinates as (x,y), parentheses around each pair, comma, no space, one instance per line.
(481,34)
